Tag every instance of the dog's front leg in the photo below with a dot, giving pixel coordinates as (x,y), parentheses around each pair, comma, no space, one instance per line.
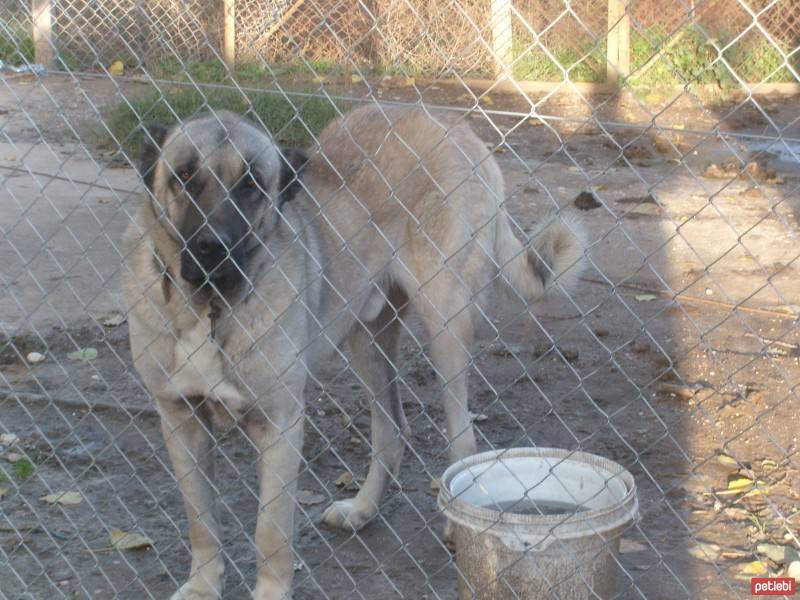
(188,436)
(279,442)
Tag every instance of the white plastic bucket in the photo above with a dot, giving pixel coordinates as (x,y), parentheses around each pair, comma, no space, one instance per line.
(527,555)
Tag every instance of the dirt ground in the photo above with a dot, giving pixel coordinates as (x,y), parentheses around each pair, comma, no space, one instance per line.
(647,362)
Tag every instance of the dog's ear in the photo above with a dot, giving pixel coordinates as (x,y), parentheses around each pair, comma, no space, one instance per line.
(153,140)
(292,162)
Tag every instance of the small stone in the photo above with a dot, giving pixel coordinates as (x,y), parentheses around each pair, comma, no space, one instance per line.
(709,292)
(434,487)
(641,347)
(774,552)
(601,333)
(34,358)
(794,570)
(13,457)
(570,355)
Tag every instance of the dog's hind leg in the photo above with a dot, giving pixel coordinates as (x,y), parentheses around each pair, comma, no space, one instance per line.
(187,433)
(448,317)
(374,349)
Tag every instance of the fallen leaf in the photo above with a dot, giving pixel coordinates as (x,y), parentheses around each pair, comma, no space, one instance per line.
(34,357)
(309,498)
(626,546)
(487,100)
(3,492)
(345,478)
(735,554)
(126,540)
(755,567)
(113,319)
(736,482)
(7,439)
(791,309)
(356,79)
(648,210)
(727,461)
(434,486)
(62,497)
(738,514)
(645,297)
(704,551)
(84,354)
(116,68)
(13,457)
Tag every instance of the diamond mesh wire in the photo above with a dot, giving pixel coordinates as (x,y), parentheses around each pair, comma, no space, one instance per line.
(673,354)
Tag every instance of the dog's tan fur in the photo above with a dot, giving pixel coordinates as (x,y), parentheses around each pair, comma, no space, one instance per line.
(398,209)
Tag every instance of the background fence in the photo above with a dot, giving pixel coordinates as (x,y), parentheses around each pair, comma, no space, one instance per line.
(545,37)
(670,129)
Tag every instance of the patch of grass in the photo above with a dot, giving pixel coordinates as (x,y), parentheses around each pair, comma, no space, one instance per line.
(21,470)
(535,65)
(252,73)
(16,47)
(695,59)
(289,123)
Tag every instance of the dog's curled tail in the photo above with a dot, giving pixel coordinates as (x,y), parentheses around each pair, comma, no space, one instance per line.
(555,254)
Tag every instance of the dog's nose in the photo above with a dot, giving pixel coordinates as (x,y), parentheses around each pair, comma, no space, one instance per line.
(212,246)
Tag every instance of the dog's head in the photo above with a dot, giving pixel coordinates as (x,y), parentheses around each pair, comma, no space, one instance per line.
(220,181)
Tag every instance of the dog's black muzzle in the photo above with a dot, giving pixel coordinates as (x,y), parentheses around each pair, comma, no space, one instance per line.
(213,257)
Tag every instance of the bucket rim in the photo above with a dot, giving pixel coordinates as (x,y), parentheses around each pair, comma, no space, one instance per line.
(560,526)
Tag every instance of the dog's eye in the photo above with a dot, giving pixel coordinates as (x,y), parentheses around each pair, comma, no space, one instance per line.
(184,176)
(249,182)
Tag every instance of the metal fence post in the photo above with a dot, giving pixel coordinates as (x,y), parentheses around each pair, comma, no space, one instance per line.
(43,38)
(618,53)
(229,32)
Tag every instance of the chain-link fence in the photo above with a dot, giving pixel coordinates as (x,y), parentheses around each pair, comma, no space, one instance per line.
(474,226)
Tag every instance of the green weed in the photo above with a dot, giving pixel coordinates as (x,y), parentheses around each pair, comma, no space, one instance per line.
(16,47)
(291,122)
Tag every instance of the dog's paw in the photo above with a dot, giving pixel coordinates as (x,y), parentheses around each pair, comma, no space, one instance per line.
(191,591)
(345,514)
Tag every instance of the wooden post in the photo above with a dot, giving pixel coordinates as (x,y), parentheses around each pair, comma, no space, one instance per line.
(43,39)
(618,53)
(229,32)
(501,35)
